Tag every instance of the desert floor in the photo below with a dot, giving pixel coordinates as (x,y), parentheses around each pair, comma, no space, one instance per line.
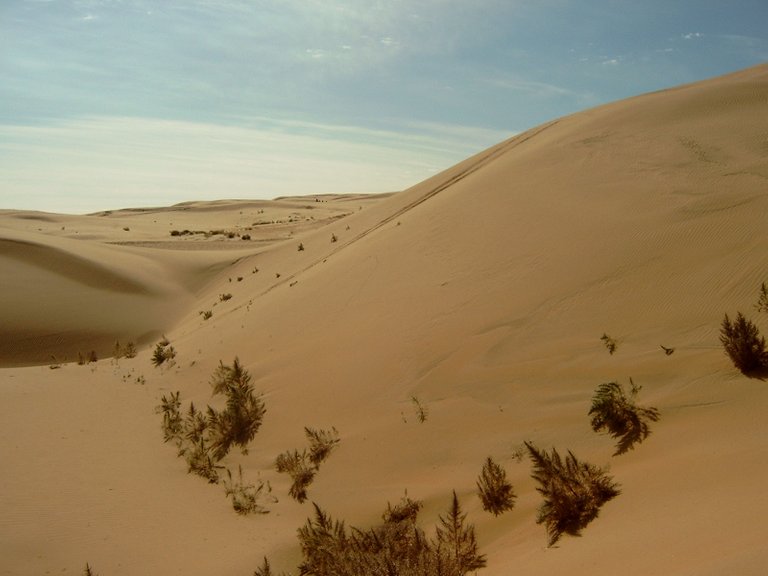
(482,292)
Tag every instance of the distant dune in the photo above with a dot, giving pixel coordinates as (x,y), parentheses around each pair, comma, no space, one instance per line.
(480,295)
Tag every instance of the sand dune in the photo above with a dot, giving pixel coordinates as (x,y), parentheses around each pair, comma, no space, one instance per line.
(482,291)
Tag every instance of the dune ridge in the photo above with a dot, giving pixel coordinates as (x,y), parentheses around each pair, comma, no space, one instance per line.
(482,292)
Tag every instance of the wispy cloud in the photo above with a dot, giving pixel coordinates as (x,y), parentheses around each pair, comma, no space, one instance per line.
(99,163)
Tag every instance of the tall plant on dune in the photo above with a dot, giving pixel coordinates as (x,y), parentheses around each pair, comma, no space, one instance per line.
(743,344)
(239,422)
(573,491)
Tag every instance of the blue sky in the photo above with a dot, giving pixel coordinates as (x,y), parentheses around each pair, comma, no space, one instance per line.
(118,103)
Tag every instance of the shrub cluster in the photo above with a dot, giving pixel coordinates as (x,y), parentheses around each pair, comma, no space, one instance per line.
(204,438)
(398,546)
(302,466)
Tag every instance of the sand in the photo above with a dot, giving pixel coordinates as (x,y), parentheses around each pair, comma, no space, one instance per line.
(482,291)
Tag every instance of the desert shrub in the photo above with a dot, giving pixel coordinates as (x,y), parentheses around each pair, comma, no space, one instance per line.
(573,492)
(419,409)
(616,412)
(206,314)
(246,498)
(762,300)
(397,547)
(302,466)
(321,444)
(609,342)
(163,352)
(242,417)
(173,423)
(88,570)
(245,237)
(127,351)
(333,238)
(496,493)
(301,246)
(743,344)
(298,466)
(225,297)
(195,445)
(204,438)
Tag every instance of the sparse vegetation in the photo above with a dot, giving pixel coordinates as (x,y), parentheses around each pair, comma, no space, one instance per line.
(496,493)
(302,466)
(321,443)
(127,351)
(743,344)
(397,547)
(610,343)
(206,314)
(333,238)
(204,438)
(419,409)
(226,296)
(88,570)
(762,300)
(301,246)
(163,353)
(247,498)
(297,465)
(241,420)
(89,358)
(573,492)
(617,413)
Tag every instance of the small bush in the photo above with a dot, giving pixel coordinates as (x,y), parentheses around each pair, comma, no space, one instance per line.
(297,465)
(170,408)
(573,492)
(762,301)
(321,444)
(302,466)
(610,343)
(419,409)
(164,352)
(496,493)
(247,498)
(127,351)
(206,314)
(301,247)
(743,344)
(616,412)
(225,297)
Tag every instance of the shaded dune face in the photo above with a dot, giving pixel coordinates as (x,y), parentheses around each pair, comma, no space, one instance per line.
(70,267)
(62,299)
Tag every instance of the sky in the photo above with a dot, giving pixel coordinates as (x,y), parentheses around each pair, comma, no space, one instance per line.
(107,104)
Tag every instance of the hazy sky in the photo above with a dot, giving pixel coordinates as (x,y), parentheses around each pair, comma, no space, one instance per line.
(117,103)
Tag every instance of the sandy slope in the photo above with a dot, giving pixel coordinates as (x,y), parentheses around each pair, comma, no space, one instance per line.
(482,291)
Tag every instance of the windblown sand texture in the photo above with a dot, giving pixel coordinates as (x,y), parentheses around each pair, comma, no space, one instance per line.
(482,291)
